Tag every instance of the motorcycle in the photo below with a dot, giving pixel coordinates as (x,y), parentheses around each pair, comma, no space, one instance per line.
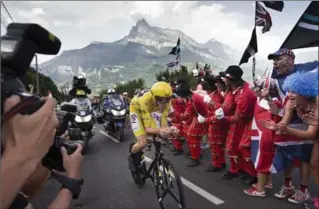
(83,125)
(114,116)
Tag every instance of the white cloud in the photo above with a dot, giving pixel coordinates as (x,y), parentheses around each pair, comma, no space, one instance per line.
(35,12)
(111,20)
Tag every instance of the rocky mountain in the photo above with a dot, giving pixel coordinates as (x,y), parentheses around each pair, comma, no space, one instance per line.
(140,54)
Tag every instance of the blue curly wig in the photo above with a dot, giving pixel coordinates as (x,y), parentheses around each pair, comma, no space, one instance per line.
(303,83)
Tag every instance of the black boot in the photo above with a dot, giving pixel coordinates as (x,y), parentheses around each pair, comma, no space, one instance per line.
(242,177)
(212,168)
(229,175)
(178,152)
(193,163)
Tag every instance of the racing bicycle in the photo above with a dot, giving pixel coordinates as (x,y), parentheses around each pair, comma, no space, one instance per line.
(163,175)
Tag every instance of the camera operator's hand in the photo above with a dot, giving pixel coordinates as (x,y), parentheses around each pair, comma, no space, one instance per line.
(31,135)
(72,163)
(25,139)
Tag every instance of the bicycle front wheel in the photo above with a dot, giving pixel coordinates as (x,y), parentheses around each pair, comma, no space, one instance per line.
(168,186)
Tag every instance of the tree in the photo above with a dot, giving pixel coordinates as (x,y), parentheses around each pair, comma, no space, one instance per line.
(46,84)
(182,73)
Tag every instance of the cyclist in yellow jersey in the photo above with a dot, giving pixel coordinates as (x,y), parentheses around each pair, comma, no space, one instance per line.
(144,123)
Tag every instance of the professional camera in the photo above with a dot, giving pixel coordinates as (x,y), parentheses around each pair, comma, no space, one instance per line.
(18,47)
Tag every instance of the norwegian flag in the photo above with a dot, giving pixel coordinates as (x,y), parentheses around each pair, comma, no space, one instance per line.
(174,63)
(262,18)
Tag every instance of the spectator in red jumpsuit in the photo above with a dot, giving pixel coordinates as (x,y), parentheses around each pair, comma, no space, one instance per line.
(179,106)
(215,140)
(196,130)
(238,141)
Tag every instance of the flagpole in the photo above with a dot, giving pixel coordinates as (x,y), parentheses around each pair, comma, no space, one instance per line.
(180,50)
(254,59)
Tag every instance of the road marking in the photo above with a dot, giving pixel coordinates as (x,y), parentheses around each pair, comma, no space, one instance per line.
(197,189)
(113,139)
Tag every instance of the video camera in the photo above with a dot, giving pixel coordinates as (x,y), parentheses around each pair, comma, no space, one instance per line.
(18,47)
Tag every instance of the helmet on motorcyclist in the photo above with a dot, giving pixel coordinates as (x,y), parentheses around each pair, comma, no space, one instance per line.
(125,93)
(111,91)
(161,91)
(81,80)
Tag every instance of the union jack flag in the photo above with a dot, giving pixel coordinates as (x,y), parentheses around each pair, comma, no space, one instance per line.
(174,63)
(262,18)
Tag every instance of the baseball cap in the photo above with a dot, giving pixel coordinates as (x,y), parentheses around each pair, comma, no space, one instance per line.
(282,51)
(233,72)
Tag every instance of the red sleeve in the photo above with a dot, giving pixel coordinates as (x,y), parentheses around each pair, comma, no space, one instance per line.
(189,112)
(228,104)
(241,110)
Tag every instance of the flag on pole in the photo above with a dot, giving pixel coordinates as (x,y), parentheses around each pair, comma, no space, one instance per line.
(174,63)
(275,5)
(262,18)
(251,49)
(305,32)
(176,49)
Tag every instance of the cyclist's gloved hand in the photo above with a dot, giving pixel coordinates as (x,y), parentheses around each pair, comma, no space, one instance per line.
(200,119)
(174,131)
(165,132)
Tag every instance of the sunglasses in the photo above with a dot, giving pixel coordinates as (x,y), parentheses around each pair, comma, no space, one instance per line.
(163,99)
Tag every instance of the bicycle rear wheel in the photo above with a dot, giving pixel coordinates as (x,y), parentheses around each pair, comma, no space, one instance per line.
(165,180)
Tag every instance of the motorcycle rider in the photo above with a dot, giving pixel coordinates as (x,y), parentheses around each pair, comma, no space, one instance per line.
(107,103)
(79,87)
(80,91)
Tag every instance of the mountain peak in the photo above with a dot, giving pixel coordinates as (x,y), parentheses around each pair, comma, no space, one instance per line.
(142,22)
(212,40)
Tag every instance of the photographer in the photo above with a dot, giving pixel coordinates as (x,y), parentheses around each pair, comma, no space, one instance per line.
(29,143)
(32,135)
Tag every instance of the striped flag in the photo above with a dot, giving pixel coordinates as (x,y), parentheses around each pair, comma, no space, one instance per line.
(305,33)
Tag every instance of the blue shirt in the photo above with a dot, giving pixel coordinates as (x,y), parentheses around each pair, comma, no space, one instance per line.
(305,67)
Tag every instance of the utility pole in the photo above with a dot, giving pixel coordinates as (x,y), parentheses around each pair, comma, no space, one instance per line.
(37,75)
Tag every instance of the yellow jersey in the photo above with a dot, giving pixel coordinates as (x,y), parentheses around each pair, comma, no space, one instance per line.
(145,113)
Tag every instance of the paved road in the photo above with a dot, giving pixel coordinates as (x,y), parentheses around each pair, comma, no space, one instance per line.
(108,183)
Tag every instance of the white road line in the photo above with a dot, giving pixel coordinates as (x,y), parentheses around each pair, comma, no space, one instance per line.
(113,139)
(197,189)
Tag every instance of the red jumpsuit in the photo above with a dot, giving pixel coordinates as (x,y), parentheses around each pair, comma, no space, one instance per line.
(238,142)
(215,139)
(196,130)
(179,106)
(220,127)
(266,150)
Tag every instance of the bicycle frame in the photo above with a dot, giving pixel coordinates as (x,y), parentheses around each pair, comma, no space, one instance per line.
(158,156)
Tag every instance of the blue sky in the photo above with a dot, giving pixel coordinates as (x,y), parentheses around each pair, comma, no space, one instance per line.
(79,23)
